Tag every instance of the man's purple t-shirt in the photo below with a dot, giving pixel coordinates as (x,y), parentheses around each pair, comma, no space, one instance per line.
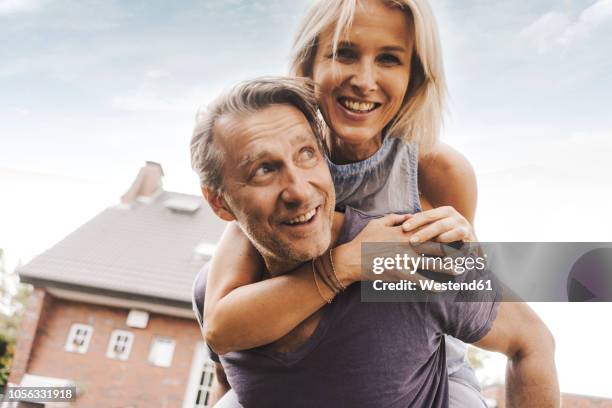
(362,354)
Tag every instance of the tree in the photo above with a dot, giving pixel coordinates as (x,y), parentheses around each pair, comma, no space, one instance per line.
(13,297)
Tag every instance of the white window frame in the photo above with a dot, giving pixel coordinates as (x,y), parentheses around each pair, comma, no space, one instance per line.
(116,336)
(200,378)
(207,376)
(158,363)
(78,333)
(138,319)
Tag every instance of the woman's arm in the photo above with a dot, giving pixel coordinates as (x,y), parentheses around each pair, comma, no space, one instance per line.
(446,178)
(235,263)
(448,197)
(242,312)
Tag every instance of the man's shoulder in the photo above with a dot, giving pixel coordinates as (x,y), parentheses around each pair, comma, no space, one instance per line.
(348,224)
(198,292)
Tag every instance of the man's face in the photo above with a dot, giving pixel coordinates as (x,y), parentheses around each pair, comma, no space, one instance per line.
(276,182)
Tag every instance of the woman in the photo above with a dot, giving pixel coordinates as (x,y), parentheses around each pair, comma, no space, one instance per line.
(381,89)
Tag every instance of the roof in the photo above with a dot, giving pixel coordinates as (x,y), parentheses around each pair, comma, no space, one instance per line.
(145,250)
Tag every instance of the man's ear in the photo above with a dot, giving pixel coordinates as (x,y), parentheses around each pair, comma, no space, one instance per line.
(218,205)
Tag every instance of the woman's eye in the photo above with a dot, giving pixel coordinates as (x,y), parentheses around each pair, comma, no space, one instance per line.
(346,54)
(389,59)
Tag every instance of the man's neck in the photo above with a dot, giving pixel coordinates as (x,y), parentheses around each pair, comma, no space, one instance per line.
(276,267)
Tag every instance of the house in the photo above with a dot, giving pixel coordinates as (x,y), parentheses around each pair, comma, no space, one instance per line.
(111,310)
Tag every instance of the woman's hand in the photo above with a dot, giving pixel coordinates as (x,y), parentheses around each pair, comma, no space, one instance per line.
(347,257)
(388,229)
(442,224)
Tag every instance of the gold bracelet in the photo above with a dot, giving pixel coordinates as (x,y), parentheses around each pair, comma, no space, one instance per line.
(324,274)
(331,260)
(315,274)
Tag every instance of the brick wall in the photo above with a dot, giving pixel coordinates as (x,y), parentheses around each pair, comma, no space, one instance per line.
(112,383)
(38,304)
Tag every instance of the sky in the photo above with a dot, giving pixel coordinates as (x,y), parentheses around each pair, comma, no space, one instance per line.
(89,90)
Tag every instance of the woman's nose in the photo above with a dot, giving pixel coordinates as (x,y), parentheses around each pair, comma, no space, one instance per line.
(364,77)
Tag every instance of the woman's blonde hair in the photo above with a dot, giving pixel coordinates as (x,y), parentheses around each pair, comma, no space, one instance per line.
(421,114)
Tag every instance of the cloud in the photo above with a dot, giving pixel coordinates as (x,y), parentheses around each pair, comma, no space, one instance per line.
(546,30)
(556,29)
(22,112)
(156,74)
(15,113)
(598,13)
(9,7)
(145,102)
(148,99)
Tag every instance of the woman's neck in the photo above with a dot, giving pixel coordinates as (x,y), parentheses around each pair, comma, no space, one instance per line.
(343,153)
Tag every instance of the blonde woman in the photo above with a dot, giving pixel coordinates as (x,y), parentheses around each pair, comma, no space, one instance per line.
(381,91)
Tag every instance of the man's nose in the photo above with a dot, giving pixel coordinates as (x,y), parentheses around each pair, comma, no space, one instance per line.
(363,79)
(296,188)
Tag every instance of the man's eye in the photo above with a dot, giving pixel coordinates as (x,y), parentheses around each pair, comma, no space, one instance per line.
(307,153)
(389,59)
(262,170)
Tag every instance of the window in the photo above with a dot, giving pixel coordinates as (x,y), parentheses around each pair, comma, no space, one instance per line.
(78,338)
(162,350)
(137,319)
(205,384)
(120,345)
(201,377)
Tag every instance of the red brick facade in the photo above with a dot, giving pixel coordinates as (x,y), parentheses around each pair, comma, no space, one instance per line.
(38,302)
(105,382)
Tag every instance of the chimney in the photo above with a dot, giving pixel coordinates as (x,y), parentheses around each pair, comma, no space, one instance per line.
(146,186)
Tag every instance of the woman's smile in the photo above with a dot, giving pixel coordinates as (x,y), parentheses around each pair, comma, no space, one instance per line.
(355,110)
(357,106)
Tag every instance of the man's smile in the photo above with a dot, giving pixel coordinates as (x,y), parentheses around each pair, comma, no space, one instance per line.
(305,218)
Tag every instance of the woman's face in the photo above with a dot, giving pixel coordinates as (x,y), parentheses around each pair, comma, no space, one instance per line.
(363,88)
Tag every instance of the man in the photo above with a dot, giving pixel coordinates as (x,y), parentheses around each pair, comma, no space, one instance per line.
(259,155)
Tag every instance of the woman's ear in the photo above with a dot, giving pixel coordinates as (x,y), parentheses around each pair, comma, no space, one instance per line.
(218,204)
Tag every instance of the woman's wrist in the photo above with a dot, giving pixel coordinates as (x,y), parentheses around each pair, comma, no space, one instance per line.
(347,264)
(325,289)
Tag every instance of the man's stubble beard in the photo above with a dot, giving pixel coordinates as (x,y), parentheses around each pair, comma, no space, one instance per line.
(280,256)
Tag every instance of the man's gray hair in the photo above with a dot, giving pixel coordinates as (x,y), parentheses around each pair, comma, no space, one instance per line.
(246,98)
